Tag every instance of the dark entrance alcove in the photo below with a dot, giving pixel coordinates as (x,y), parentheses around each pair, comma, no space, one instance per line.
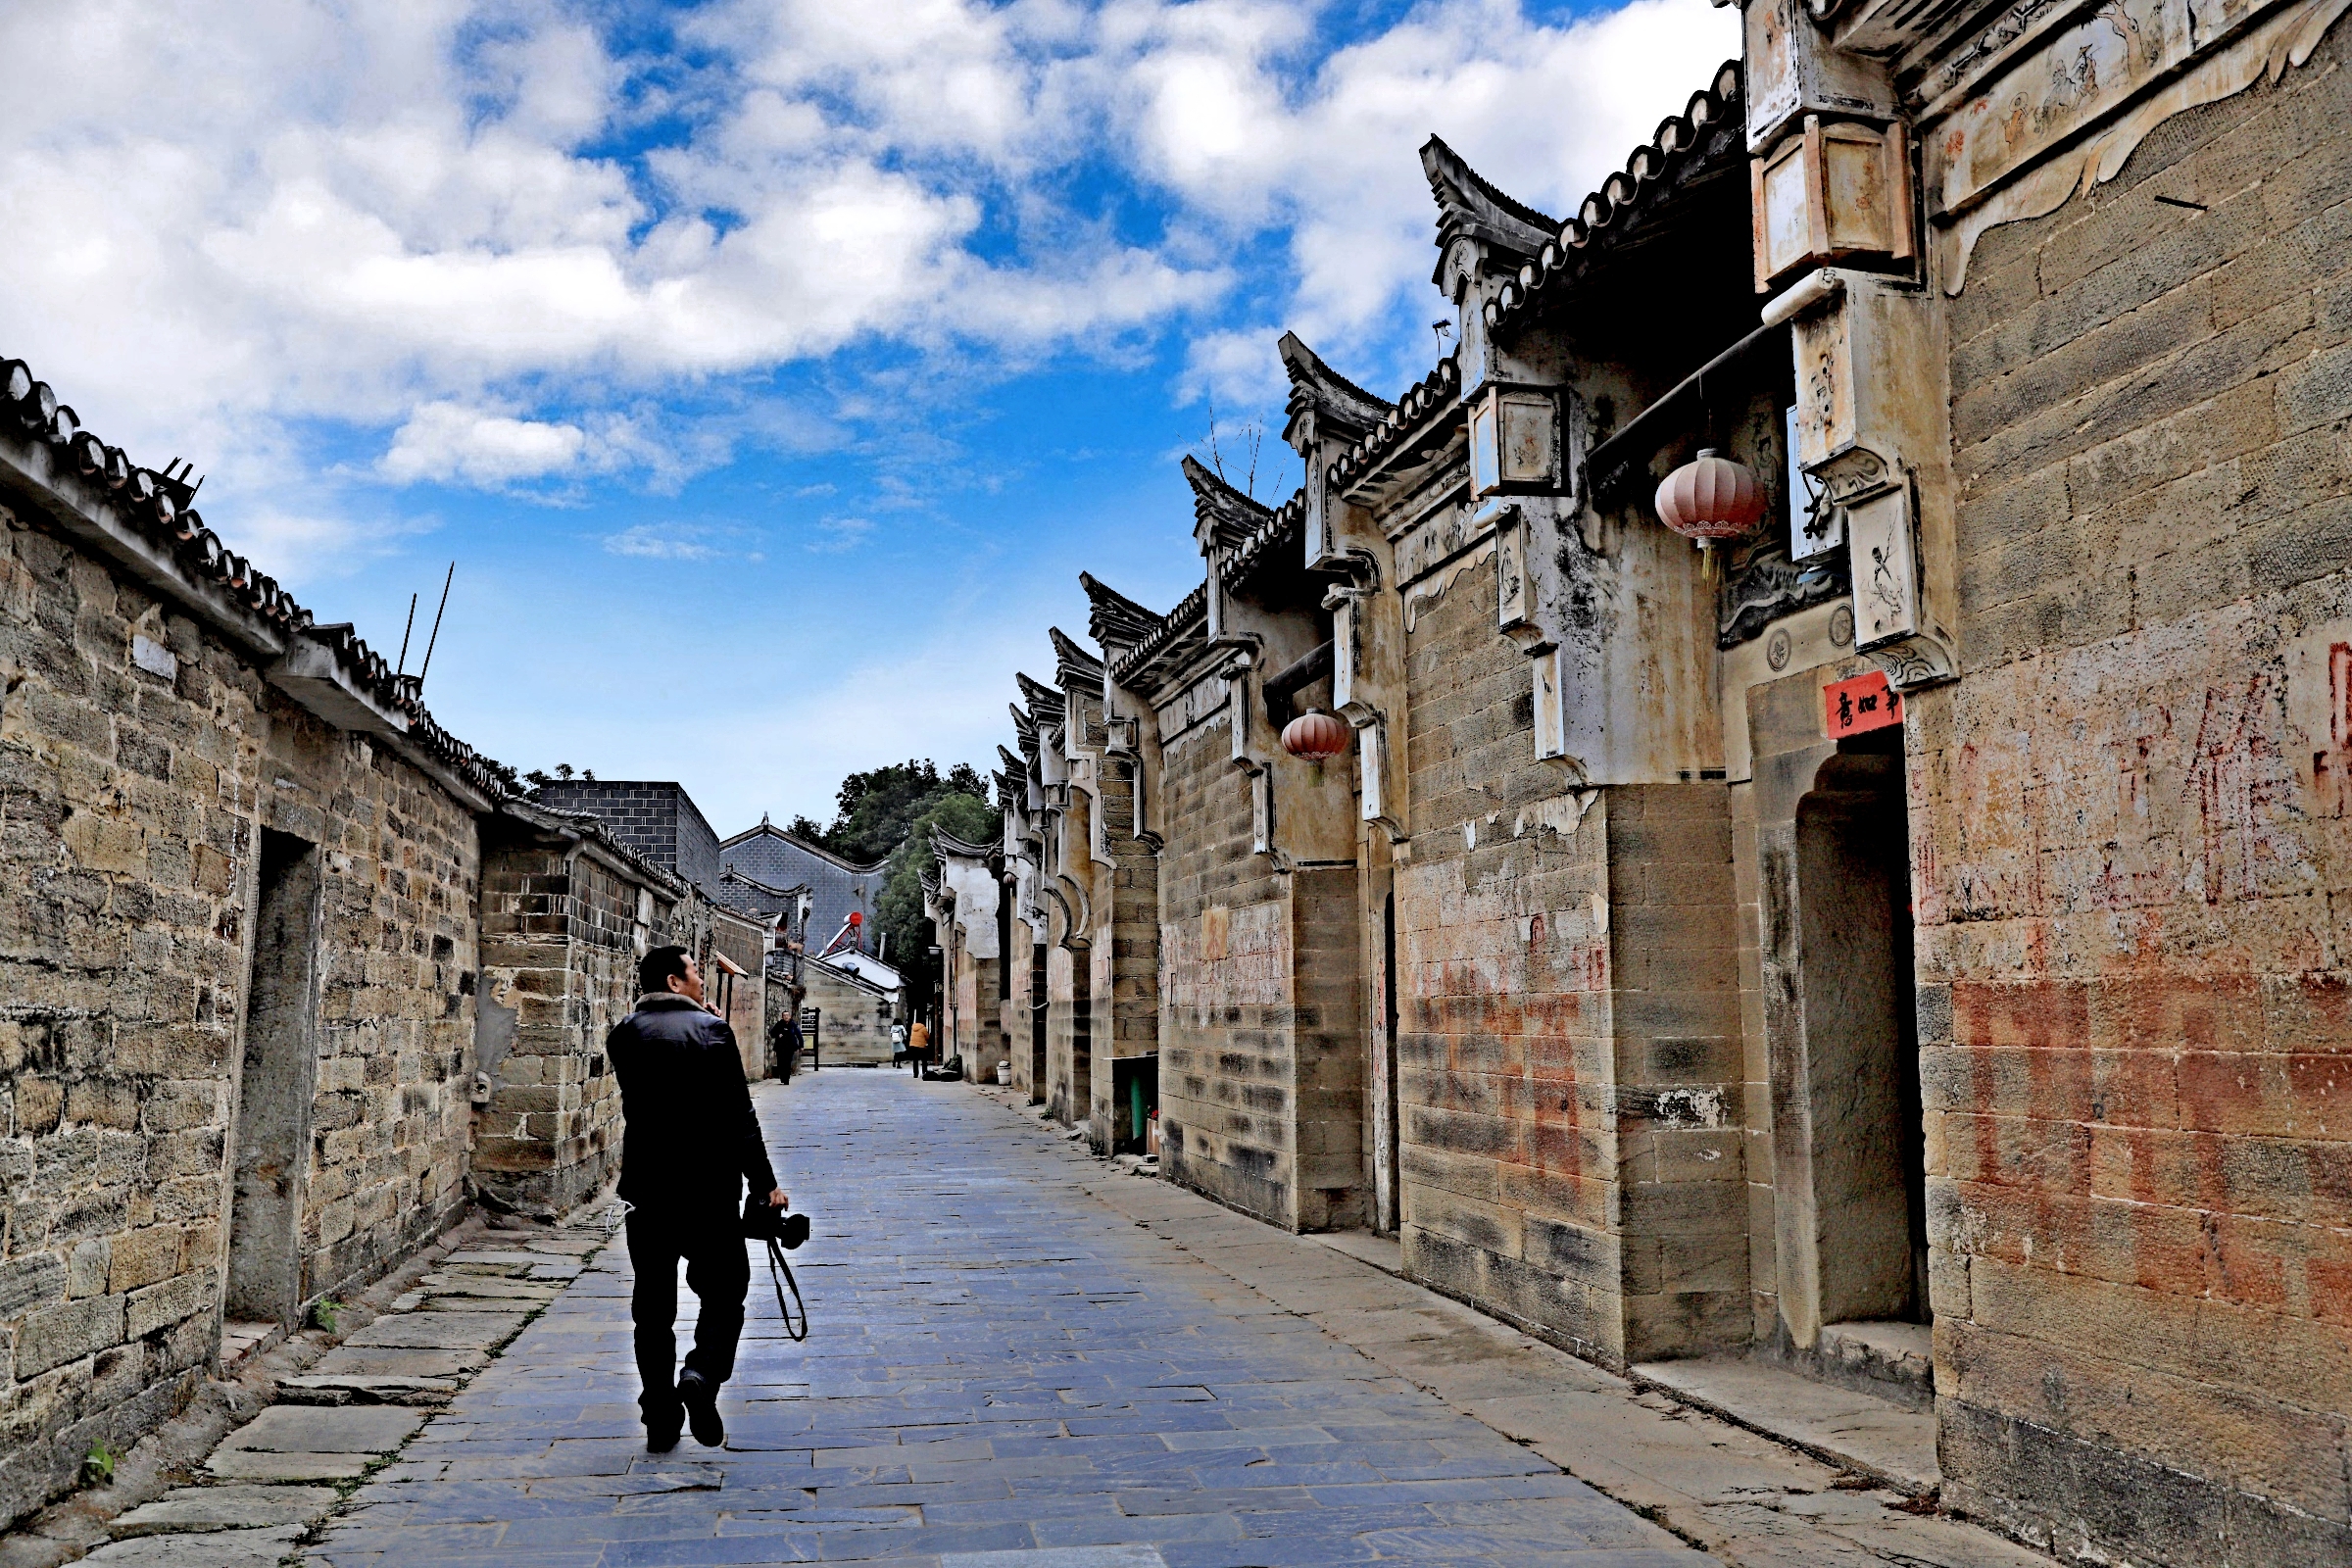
(1867,1165)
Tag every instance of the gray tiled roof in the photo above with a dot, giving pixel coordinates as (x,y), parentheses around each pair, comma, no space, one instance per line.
(768,854)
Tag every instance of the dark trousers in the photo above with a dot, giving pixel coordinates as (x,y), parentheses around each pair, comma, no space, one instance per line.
(719,1270)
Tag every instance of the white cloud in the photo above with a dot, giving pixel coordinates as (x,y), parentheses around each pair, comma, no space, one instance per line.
(445,441)
(653,541)
(835,535)
(234,222)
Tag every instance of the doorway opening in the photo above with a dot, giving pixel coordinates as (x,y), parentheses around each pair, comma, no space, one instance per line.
(1082,1036)
(1869,1170)
(280,1078)
(1390,1145)
(1037,1024)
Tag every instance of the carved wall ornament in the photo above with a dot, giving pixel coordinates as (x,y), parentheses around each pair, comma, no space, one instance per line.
(1425,595)
(1762,584)
(2011,152)
(1776,649)
(1840,190)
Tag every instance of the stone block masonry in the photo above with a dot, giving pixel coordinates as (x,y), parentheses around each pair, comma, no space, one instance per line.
(2131,858)
(262,925)
(131,806)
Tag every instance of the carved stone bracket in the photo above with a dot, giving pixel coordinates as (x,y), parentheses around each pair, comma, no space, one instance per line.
(1915,663)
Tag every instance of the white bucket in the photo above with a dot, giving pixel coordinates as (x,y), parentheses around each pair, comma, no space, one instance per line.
(1004,1074)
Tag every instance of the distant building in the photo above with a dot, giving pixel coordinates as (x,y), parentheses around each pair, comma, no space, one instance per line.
(660,822)
(837,887)
(856,998)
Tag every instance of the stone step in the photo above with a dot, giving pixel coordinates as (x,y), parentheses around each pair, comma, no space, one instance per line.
(1855,1431)
(197,1509)
(355,1388)
(1893,1360)
(219,1548)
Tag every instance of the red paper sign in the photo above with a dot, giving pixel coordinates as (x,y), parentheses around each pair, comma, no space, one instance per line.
(1863,704)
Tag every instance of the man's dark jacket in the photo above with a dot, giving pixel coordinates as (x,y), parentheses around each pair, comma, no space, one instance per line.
(691,1139)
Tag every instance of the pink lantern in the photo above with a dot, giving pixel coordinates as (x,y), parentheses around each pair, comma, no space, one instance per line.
(1316,736)
(1711,499)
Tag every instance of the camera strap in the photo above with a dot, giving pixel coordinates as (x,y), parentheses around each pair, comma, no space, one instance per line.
(779,1275)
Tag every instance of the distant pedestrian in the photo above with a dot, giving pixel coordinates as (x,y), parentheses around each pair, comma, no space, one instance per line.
(784,1045)
(919,1046)
(690,1141)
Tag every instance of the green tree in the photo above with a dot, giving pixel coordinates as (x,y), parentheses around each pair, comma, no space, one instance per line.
(874,810)
(888,814)
(900,911)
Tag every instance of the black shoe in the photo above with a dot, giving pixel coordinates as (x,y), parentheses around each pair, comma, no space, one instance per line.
(661,1432)
(702,1411)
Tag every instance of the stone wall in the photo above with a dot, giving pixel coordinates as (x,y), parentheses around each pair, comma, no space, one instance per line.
(854,1032)
(1227,1116)
(399,869)
(2129,853)
(1124,986)
(140,762)
(1020,1013)
(562,933)
(1568,1049)
(1508,1158)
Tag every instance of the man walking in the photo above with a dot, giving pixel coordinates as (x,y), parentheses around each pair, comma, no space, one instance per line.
(689,1143)
(919,1047)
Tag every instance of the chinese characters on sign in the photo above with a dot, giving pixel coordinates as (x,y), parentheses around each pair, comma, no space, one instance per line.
(1858,706)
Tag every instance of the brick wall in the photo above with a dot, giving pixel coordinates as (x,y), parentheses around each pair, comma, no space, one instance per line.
(130,810)
(658,820)
(2129,853)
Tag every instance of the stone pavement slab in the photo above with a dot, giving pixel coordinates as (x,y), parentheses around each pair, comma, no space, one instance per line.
(385,1362)
(1022,1358)
(301,1429)
(1885,1440)
(1004,1373)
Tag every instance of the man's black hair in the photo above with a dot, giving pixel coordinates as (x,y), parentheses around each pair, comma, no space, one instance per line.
(655,967)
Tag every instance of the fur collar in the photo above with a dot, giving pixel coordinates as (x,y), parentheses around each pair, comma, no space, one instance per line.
(668,1001)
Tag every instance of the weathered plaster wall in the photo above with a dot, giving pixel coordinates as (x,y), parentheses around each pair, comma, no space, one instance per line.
(131,797)
(746,945)
(1227,1064)
(2129,853)
(853,1031)
(1570,1077)
(1125,952)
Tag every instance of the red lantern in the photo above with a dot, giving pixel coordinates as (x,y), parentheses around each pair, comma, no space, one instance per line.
(1316,736)
(1711,499)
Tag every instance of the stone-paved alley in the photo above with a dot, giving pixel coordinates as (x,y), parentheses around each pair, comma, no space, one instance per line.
(1018,1351)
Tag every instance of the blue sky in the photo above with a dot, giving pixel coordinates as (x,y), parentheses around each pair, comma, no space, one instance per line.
(769,369)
